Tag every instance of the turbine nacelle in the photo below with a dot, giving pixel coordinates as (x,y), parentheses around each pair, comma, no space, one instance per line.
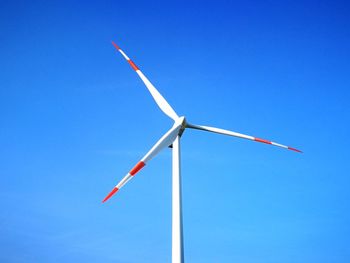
(182,122)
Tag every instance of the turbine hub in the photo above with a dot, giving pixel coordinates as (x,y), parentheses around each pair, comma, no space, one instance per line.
(182,120)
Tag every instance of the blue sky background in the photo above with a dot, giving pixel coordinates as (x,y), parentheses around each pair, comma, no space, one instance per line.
(75,118)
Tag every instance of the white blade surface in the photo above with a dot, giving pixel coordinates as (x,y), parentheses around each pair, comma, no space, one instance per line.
(166,140)
(159,99)
(239,135)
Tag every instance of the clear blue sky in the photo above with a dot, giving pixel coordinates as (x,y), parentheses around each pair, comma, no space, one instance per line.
(75,118)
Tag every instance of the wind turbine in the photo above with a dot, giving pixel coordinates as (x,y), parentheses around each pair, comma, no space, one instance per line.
(172,138)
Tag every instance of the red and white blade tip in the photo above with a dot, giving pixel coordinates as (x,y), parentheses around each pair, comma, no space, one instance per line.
(276,144)
(293,149)
(115,45)
(132,172)
(115,189)
(132,64)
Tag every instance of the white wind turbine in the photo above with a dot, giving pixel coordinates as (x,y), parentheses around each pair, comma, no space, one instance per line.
(172,138)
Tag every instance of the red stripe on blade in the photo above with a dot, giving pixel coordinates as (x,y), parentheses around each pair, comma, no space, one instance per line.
(137,168)
(115,45)
(262,140)
(132,64)
(110,194)
(293,149)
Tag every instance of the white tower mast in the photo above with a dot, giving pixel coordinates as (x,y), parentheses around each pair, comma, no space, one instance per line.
(177,232)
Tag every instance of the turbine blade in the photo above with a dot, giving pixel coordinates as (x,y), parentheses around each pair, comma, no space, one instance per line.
(159,99)
(239,135)
(166,140)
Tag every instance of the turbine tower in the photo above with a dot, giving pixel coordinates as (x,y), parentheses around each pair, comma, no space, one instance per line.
(172,138)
